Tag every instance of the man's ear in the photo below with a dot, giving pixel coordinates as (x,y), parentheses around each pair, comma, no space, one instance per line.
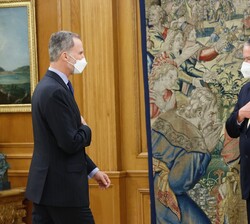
(64,56)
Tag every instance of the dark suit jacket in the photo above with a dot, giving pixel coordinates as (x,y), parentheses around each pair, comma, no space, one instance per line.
(235,130)
(59,168)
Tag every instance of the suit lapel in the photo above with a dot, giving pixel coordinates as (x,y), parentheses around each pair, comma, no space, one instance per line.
(62,83)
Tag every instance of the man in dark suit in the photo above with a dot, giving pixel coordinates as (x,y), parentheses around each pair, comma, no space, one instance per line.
(237,125)
(60,168)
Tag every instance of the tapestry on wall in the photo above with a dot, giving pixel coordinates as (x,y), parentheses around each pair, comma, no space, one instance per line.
(192,59)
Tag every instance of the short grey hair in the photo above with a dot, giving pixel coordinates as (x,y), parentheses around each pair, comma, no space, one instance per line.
(59,42)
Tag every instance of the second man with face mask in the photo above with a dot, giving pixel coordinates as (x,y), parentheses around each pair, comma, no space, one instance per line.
(237,125)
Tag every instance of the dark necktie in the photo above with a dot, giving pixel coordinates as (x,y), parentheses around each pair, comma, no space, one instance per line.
(70,87)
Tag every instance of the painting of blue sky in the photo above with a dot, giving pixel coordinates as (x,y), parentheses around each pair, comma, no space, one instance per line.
(14,56)
(14,49)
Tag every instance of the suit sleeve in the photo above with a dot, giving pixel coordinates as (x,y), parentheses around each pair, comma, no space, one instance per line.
(64,124)
(90,164)
(233,128)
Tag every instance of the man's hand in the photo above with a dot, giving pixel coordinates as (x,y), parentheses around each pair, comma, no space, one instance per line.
(102,179)
(244,112)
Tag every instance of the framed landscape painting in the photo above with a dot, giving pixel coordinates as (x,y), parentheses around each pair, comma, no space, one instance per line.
(18,55)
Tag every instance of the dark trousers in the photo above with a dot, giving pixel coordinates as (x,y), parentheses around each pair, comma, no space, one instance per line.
(42,214)
(248,210)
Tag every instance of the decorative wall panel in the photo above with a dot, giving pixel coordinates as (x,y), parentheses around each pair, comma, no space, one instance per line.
(192,58)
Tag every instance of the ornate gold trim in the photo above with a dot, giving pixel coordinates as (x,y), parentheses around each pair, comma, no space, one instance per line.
(30,5)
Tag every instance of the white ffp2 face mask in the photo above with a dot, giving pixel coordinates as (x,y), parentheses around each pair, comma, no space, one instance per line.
(245,69)
(79,65)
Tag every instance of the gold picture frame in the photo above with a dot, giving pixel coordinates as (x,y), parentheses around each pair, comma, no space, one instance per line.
(18,54)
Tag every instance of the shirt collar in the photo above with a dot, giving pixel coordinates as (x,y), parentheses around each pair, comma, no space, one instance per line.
(60,74)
